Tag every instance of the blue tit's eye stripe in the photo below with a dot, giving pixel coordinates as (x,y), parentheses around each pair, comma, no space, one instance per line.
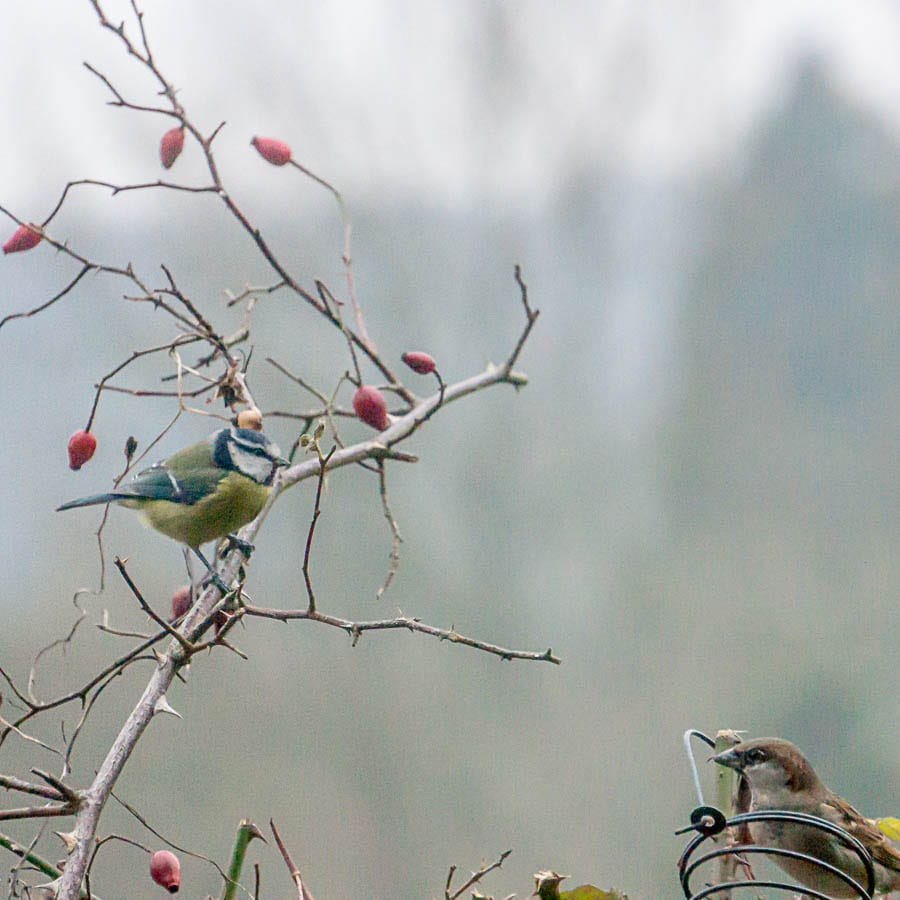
(256,449)
(254,441)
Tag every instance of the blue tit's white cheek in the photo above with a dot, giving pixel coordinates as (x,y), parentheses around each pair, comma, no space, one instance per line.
(259,468)
(247,452)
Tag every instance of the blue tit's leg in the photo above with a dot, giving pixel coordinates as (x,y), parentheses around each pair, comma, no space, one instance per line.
(214,576)
(236,543)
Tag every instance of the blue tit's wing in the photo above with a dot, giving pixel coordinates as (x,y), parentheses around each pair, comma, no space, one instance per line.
(159,482)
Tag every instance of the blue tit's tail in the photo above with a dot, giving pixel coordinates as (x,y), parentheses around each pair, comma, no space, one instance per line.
(94,500)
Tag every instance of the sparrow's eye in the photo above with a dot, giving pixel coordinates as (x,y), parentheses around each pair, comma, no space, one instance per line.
(756,755)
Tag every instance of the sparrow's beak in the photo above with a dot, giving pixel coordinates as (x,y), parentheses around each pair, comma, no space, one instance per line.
(727,758)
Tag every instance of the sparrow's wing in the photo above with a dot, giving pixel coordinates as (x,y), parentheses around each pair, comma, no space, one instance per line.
(742,804)
(159,483)
(863,829)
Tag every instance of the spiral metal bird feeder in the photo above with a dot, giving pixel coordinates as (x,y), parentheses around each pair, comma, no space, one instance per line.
(708,822)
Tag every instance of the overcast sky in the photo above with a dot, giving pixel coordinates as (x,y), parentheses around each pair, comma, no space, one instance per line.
(441,101)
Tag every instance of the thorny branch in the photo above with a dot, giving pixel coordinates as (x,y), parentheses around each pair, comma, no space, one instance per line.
(27,855)
(194,326)
(356,629)
(358,338)
(82,693)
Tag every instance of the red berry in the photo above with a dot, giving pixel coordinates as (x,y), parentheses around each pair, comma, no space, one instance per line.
(272,150)
(419,362)
(170,146)
(166,870)
(181,602)
(82,445)
(23,238)
(371,407)
(220,620)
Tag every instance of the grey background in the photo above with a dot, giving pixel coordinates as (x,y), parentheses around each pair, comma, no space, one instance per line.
(694,501)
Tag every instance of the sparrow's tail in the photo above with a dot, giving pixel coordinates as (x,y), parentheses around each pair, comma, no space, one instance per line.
(93,500)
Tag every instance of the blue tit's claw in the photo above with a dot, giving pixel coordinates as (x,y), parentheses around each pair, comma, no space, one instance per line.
(213,577)
(216,579)
(236,543)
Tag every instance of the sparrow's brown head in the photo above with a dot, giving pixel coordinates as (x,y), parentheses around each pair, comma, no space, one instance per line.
(771,765)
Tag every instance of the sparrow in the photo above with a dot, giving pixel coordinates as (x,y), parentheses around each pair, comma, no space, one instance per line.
(780,778)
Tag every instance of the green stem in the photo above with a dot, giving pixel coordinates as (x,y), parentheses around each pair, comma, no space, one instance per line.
(246,832)
(37,861)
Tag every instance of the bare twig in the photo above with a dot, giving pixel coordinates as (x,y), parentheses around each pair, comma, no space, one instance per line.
(251,292)
(64,790)
(346,256)
(88,704)
(475,878)
(168,842)
(80,693)
(9,727)
(186,645)
(48,303)
(61,642)
(356,630)
(317,509)
(37,812)
(396,540)
(302,891)
(137,354)
(206,328)
(16,784)
(531,316)
(26,854)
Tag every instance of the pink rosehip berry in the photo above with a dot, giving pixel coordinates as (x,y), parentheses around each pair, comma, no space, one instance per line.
(220,620)
(23,238)
(419,362)
(82,445)
(171,145)
(166,870)
(272,150)
(371,407)
(181,602)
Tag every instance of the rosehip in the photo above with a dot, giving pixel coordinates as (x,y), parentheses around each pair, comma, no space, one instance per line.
(23,238)
(371,407)
(82,445)
(272,150)
(181,602)
(166,870)
(419,362)
(170,146)
(220,620)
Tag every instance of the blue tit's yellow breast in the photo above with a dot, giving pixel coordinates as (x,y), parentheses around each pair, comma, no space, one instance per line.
(236,501)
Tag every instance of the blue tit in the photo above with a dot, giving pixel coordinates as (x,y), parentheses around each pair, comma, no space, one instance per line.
(203,492)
